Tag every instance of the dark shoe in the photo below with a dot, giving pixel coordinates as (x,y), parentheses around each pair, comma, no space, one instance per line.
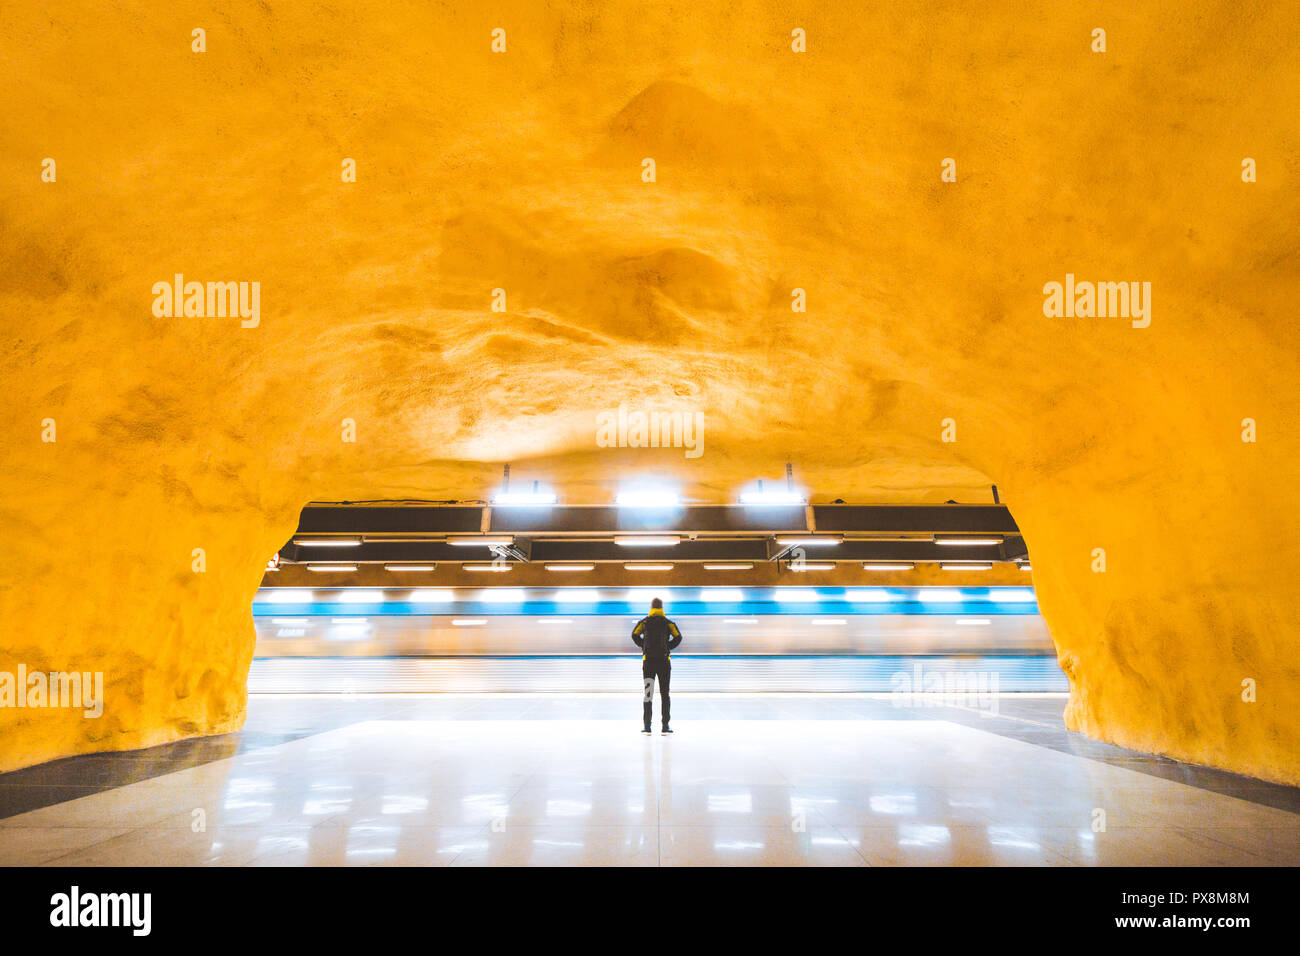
(666,730)
(646,731)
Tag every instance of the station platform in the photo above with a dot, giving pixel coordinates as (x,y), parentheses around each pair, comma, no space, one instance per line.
(568,779)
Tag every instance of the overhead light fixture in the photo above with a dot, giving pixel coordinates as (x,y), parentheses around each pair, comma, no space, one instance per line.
(966,566)
(482,541)
(648,567)
(887,565)
(570,567)
(524,499)
(331,567)
(646,540)
(786,496)
(409,567)
(648,498)
(486,567)
(805,541)
(327,542)
(763,498)
(739,566)
(812,565)
(967,540)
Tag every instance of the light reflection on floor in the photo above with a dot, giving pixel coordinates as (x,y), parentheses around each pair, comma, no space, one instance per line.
(533,781)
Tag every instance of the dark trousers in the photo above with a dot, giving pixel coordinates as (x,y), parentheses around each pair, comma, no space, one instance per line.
(649,671)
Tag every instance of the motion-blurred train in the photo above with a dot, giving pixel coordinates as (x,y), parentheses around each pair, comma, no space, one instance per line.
(776,639)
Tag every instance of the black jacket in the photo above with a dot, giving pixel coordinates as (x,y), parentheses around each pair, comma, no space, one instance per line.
(656,636)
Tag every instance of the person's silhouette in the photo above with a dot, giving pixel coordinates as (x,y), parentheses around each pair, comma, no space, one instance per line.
(656,636)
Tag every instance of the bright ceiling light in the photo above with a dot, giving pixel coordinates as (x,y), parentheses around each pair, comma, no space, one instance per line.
(327,542)
(577,596)
(806,541)
(812,566)
(570,567)
(967,566)
(524,499)
(486,567)
(887,565)
(410,567)
(738,566)
(967,540)
(879,595)
(646,540)
(331,567)
(482,541)
(772,498)
(648,567)
(354,596)
(289,596)
(648,498)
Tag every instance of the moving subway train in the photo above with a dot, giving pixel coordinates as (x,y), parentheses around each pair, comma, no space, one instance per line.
(755,639)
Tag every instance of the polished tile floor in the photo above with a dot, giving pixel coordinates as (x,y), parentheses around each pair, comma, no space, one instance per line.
(838,780)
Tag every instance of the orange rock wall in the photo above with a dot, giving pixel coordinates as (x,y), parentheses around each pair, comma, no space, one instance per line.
(775,170)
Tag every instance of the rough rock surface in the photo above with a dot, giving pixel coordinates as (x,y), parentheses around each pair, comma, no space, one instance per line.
(775,170)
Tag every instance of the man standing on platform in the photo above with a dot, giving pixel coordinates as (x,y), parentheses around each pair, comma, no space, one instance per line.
(656,636)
